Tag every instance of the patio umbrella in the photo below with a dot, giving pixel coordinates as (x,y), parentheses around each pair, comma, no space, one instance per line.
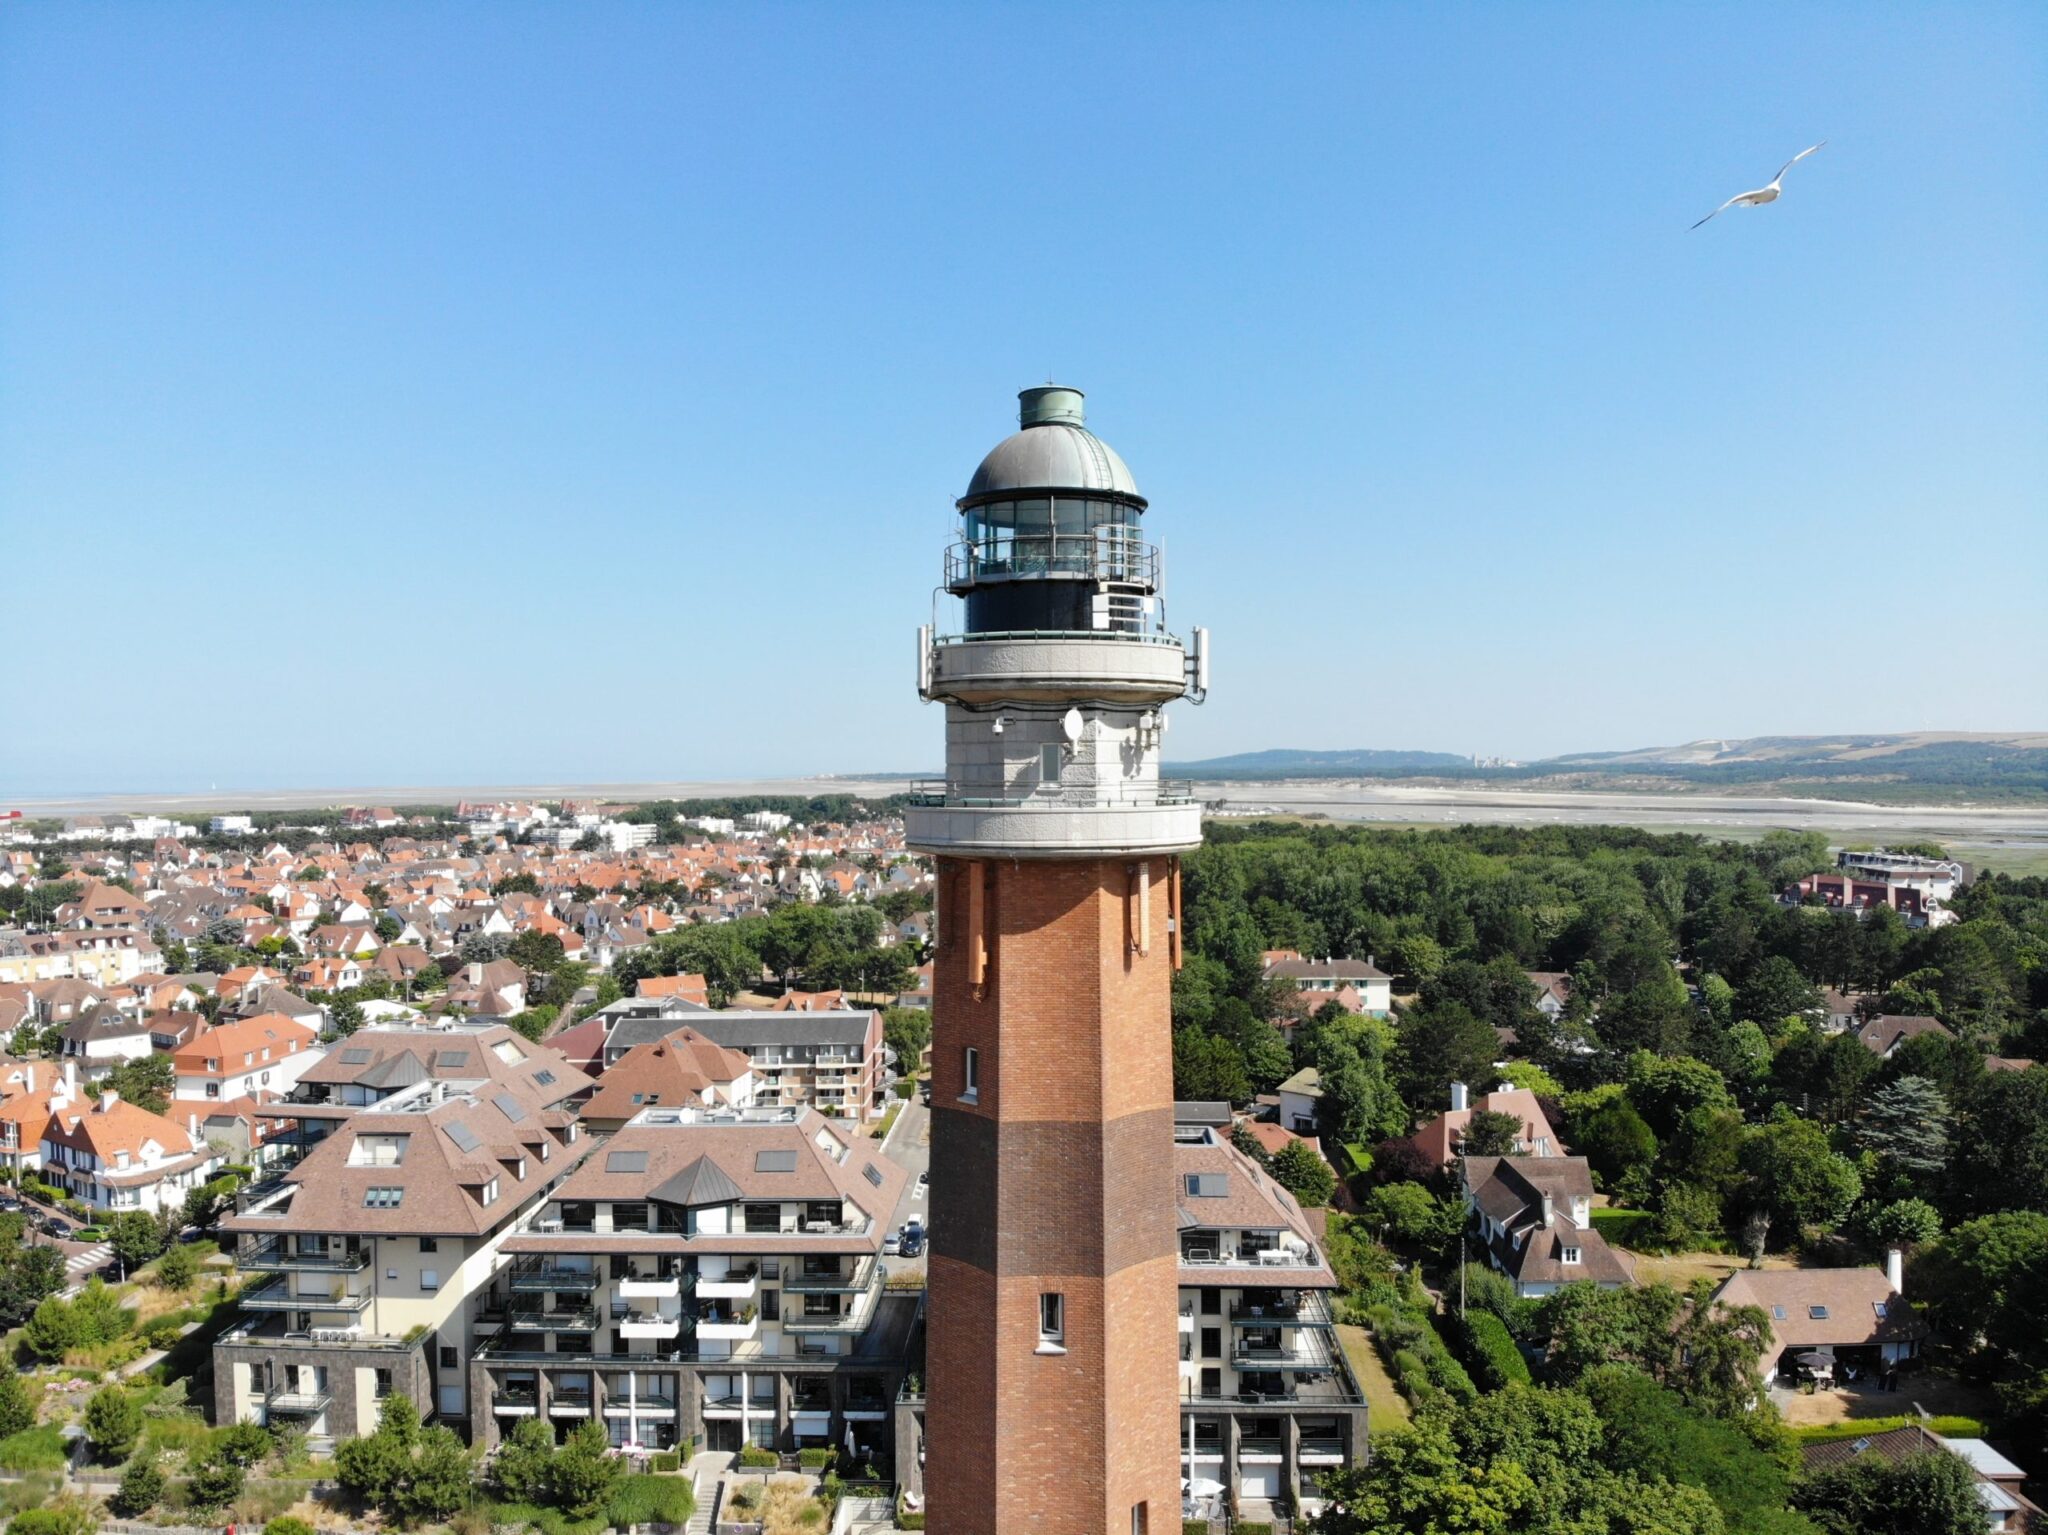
(1205,1487)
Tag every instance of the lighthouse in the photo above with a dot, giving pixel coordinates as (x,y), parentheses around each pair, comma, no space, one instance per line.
(1052,1350)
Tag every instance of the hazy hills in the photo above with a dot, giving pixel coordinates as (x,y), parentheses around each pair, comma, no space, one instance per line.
(1908,765)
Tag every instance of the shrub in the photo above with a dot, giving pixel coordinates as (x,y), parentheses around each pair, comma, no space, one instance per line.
(141,1489)
(754,1456)
(113,1422)
(177,1268)
(1483,1342)
(243,1443)
(286,1524)
(69,1519)
(163,1332)
(1252,1527)
(214,1482)
(815,1458)
(666,1460)
(648,1499)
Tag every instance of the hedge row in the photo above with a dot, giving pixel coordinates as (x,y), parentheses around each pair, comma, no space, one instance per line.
(1488,1350)
(1416,1356)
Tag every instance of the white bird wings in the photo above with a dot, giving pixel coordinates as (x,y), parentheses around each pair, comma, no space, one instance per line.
(1795,160)
(1725,206)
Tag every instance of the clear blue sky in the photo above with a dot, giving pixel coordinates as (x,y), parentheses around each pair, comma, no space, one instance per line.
(491,392)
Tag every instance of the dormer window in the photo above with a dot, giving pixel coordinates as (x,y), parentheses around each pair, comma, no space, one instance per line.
(1571,1255)
(490,1193)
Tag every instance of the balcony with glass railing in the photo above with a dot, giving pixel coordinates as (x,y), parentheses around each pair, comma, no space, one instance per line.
(278,1295)
(284,1255)
(535,1277)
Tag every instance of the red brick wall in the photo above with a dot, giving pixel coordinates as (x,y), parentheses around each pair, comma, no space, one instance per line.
(1059,1178)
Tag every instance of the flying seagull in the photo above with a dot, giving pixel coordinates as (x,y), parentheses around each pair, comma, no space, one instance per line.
(1762,195)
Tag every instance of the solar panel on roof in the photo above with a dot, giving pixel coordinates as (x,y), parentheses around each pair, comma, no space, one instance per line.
(355,1057)
(774,1161)
(509,1106)
(874,1174)
(1209,1185)
(452,1060)
(625,1162)
(463,1136)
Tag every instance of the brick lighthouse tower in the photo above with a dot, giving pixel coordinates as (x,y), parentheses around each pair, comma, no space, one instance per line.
(1052,1393)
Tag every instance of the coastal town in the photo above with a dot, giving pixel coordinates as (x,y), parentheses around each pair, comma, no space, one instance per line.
(566,1122)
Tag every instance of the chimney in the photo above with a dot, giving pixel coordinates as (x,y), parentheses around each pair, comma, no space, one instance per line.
(108,1099)
(1895,1270)
(1549,1212)
(192,1125)
(1457,1097)
(29,1078)
(70,1077)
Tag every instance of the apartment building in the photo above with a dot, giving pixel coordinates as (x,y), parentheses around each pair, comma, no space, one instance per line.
(1268,1401)
(372,1065)
(833,1061)
(709,1276)
(378,1240)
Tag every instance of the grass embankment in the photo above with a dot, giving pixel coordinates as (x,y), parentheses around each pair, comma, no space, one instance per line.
(1386,1408)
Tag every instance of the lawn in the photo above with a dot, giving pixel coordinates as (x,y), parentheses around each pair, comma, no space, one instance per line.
(1386,1408)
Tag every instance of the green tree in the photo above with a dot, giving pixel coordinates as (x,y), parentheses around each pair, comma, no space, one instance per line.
(1413,1216)
(141,1489)
(1930,1494)
(437,1481)
(214,1482)
(1688,1216)
(1775,990)
(582,1473)
(1987,1281)
(1901,1223)
(113,1422)
(146,1082)
(535,951)
(2000,1158)
(1439,1045)
(521,1467)
(907,1030)
(136,1237)
(1616,1141)
(1665,1091)
(17,1406)
(1796,1178)
(178,1268)
(1490,1133)
(1298,1169)
(1207,1069)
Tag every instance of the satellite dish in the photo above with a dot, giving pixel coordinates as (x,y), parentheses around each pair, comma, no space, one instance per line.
(1071,724)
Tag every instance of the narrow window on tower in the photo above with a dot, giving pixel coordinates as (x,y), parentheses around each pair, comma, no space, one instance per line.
(1138,1521)
(970,1075)
(1050,760)
(1052,1323)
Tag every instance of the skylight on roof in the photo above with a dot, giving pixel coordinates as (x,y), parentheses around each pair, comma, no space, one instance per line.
(1777,1313)
(625,1162)
(463,1136)
(383,1198)
(355,1057)
(1817,1313)
(544,1078)
(509,1106)
(452,1060)
(774,1161)
(1208,1185)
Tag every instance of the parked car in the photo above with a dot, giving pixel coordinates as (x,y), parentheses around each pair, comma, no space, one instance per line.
(892,1245)
(913,1244)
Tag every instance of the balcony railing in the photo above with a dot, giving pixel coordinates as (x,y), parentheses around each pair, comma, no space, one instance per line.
(1101,554)
(568,1319)
(939,793)
(1269,1258)
(1307,1353)
(278,1295)
(294,1400)
(845,1321)
(537,1277)
(513,1399)
(272,1256)
(1312,1310)
(832,1281)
